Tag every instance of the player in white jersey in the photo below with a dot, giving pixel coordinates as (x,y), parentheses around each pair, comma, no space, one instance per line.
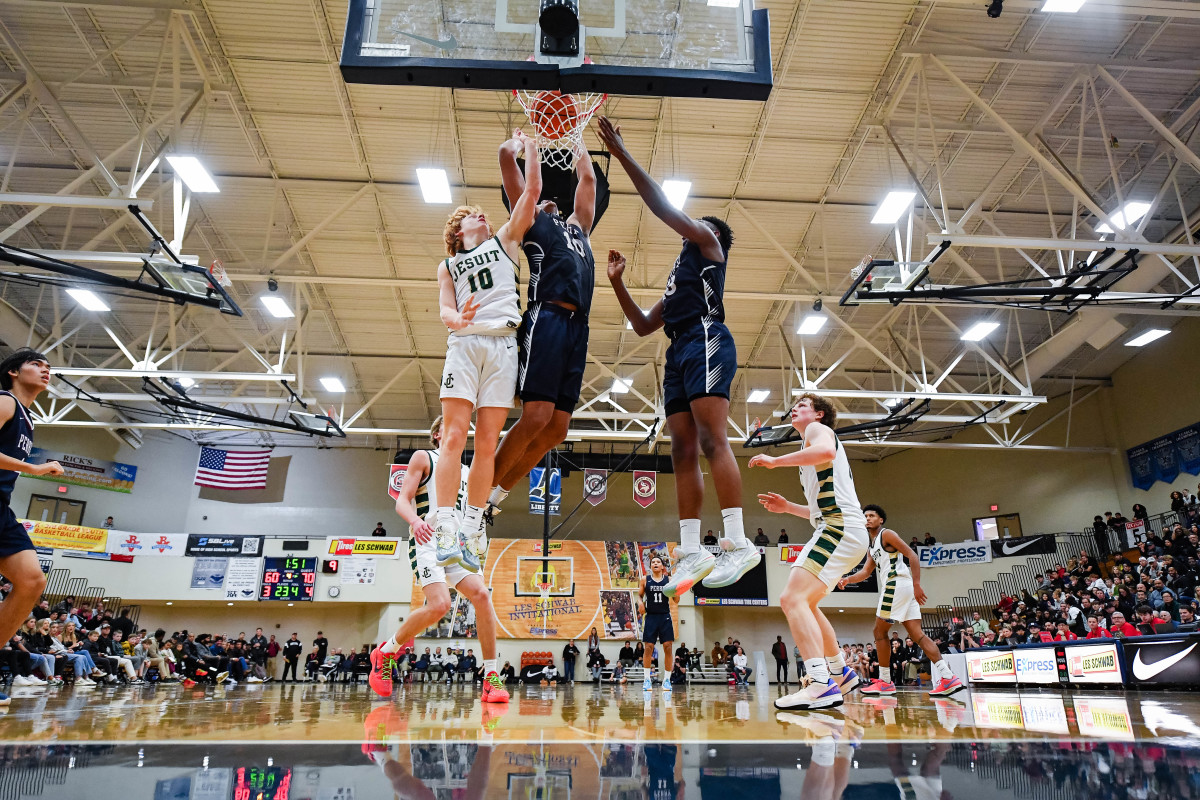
(900,600)
(837,546)
(480,304)
(417,498)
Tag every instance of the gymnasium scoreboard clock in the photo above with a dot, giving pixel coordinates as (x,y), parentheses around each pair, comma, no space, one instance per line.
(288,578)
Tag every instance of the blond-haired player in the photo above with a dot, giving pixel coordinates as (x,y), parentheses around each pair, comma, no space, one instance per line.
(480,304)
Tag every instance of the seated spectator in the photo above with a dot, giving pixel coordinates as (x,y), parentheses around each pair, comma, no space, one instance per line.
(508,674)
(1169,605)
(741,669)
(1146,620)
(1120,627)
(379,530)
(312,664)
(596,663)
(422,664)
(625,657)
(914,542)
(330,666)
(1096,629)
(1064,634)
(930,540)
(1163,623)
(1187,620)
(678,674)
(549,673)
(710,537)
(467,665)
(760,539)
(783,537)
(450,665)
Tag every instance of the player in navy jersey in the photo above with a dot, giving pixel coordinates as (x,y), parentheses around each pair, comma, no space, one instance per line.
(23,376)
(657,625)
(701,363)
(553,336)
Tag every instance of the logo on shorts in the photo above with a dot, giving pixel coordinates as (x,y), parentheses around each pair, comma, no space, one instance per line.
(449,382)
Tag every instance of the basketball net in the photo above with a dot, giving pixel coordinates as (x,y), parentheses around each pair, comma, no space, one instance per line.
(545,585)
(558,121)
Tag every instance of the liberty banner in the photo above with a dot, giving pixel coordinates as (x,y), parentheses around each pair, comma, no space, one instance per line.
(595,485)
(644,487)
(537,491)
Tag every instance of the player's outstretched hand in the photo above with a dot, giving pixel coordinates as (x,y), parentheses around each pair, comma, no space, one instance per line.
(49,468)
(616,265)
(763,460)
(422,532)
(466,316)
(919,594)
(611,136)
(843,583)
(775,503)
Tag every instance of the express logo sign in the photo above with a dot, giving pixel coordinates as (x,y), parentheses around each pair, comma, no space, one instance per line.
(950,554)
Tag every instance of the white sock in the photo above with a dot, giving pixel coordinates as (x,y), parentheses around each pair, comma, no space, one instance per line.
(817,669)
(836,664)
(732,520)
(391,645)
(824,752)
(943,669)
(472,519)
(489,666)
(885,674)
(497,496)
(689,536)
(446,517)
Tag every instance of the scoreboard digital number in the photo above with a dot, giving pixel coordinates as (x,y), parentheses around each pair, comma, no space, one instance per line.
(288,578)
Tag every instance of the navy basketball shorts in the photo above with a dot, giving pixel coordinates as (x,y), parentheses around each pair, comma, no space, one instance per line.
(701,362)
(13,538)
(658,628)
(552,355)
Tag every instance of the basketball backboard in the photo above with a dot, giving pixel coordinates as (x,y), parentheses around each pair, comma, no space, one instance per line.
(719,48)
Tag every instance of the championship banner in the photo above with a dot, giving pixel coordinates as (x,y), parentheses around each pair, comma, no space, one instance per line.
(146,544)
(223,545)
(537,491)
(591,585)
(92,472)
(374,547)
(951,555)
(644,487)
(396,479)
(66,537)
(1024,546)
(595,485)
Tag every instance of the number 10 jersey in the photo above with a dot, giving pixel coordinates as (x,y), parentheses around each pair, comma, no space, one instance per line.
(491,276)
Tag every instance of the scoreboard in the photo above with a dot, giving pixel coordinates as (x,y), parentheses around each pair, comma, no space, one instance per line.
(286,578)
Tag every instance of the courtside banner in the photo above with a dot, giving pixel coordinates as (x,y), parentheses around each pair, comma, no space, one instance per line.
(1024,546)
(375,547)
(147,544)
(996,710)
(952,555)
(1104,717)
(1094,663)
(1171,660)
(991,666)
(66,537)
(1035,665)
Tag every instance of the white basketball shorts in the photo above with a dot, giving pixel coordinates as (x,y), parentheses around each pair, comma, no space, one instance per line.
(834,550)
(481,369)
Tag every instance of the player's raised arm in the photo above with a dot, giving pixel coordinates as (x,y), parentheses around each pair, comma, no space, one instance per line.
(525,209)
(654,197)
(778,504)
(584,214)
(510,171)
(643,323)
(820,445)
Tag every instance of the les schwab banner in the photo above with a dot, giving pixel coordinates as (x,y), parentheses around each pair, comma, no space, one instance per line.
(374,547)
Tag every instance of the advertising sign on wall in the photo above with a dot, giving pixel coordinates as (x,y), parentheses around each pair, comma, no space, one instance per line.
(991,666)
(80,471)
(146,544)
(1035,665)
(224,545)
(1094,664)
(373,547)
(66,537)
(1024,546)
(952,555)
(1162,660)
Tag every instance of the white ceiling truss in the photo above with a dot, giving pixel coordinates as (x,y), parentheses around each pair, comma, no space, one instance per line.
(1020,135)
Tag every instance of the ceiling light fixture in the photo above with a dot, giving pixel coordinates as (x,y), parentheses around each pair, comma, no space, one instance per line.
(725,3)
(980,331)
(677,191)
(621,385)
(435,186)
(758,396)
(192,172)
(892,207)
(1131,213)
(812,324)
(88,299)
(1062,6)
(333,385)
(277,306)
(1146,338)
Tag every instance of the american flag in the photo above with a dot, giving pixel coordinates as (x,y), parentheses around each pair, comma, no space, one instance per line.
(232,469)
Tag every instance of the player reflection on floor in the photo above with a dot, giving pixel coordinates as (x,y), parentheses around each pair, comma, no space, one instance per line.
(436,763)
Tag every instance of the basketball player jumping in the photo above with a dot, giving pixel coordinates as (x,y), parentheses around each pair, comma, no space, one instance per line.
(900,600)
(553,336)
(481,305)
(23,376)
(415,503)
(657,627)
(701,363)
(838,544)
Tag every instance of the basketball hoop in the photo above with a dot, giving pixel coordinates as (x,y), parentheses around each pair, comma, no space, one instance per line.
(220,275)
(558,121)
(544,587)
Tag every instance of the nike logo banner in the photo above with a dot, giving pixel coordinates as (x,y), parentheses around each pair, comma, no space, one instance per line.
(1024,546)
(1163,661)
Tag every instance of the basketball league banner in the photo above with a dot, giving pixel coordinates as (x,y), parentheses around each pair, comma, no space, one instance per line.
(537,491)
(66,537)
(396,479)
(595,485)
(644,487)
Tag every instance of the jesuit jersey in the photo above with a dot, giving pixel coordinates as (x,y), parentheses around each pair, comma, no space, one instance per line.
(694,291)
(425,503)
(561,264)
(16,440)
(487,272)
(891,567)
(829,489)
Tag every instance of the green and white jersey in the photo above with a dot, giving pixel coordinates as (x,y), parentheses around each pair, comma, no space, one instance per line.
(425,502)
(890,567)
(829,489)
(487,272)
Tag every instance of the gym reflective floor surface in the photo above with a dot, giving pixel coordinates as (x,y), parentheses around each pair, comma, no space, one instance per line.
(335,742)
